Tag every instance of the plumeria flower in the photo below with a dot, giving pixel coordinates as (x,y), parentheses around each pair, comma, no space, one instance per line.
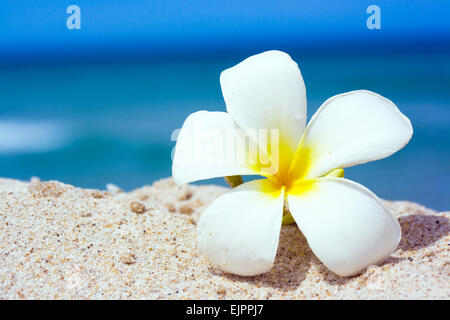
(347,227)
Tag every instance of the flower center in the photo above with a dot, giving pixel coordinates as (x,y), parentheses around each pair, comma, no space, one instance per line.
(294,174)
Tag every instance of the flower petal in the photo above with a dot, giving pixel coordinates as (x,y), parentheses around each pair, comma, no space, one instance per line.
(349,129)
(266,91)
(239,231)
(346,225)
(208,146)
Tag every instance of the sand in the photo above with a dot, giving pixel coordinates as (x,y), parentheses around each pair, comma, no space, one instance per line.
(62,242)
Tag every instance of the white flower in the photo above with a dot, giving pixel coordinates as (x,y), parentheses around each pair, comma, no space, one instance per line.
(347,227)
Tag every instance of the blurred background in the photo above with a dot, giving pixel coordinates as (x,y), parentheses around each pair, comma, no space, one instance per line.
(98,104)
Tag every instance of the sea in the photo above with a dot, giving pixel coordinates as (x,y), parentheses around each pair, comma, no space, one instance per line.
(93,122)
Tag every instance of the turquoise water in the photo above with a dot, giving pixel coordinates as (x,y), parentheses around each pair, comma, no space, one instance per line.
(92,123)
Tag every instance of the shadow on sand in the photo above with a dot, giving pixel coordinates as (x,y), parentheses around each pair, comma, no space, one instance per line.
(294,257)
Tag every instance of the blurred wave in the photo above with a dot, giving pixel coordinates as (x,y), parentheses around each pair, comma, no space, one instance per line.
(18,136)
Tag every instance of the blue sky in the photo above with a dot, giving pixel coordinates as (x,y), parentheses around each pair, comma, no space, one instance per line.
(30,28)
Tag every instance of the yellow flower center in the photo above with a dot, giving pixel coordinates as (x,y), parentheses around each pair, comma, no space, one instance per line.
(293,176)
(285,169)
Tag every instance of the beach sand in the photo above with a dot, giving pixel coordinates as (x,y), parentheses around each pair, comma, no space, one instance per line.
(62,242)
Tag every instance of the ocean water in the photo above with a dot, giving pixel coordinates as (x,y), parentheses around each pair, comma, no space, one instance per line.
(91,123)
